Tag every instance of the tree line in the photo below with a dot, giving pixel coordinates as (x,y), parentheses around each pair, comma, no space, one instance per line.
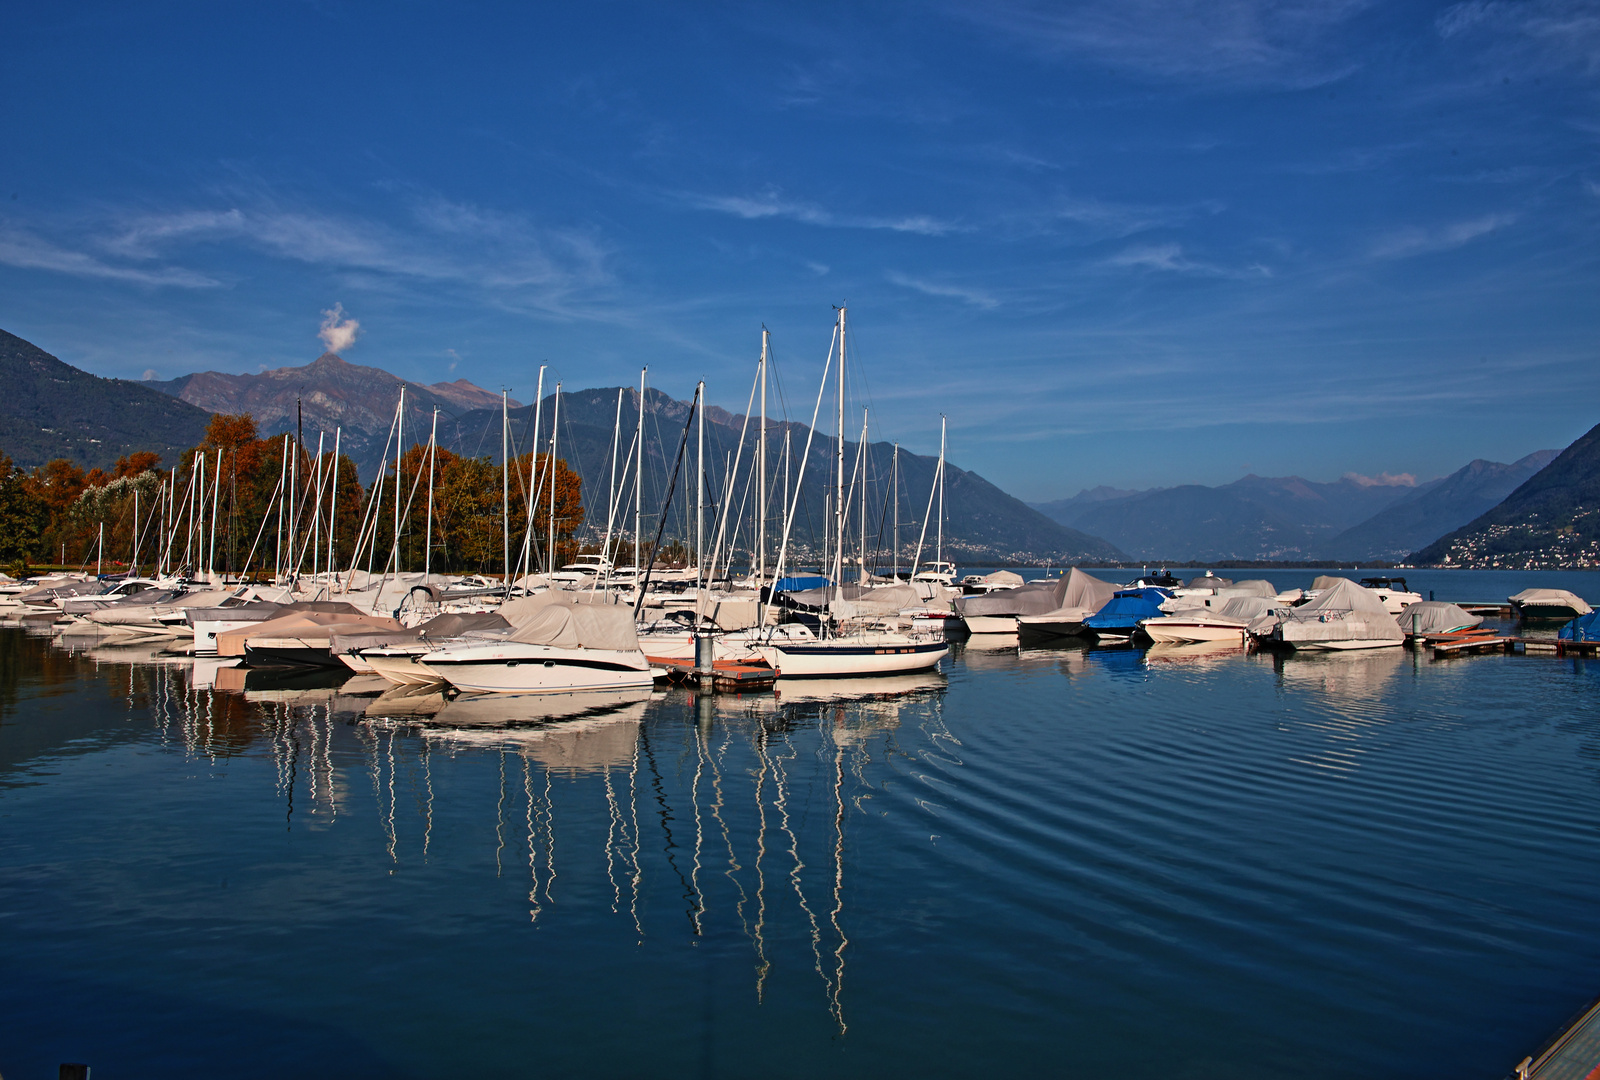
(242,503)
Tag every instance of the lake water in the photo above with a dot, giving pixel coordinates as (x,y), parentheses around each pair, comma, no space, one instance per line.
(1066,861)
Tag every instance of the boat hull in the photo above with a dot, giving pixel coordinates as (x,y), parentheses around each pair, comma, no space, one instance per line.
(991,624)
(401,668)
(1343,646)
(289,652)
(538,669)
(825,659)
(1161,631)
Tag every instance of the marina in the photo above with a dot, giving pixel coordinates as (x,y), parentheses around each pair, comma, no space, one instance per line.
(1199,850)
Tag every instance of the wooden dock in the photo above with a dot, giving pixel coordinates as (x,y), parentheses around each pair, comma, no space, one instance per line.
(1487,609)
(1573,1053)
(726,676)
(1468,642)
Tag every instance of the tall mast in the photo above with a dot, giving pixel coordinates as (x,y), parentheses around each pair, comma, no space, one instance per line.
(433,455)
(761,467)
(505,492)
(894,493)
(700,493)
(216,502)
(555,430)
(938,551)
(314,530)
(638,482)
(333,511)
(863,575)
(533,470)
(838,501)
(399,447)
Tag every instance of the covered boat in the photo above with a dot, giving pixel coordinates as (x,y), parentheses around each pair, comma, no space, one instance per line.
(997,612)
(1084,595)
(1343,615)
(1583,628)
(1549,604)
(1435,617)
(1127,608)
(1226,624)
(395,656)
(572,641)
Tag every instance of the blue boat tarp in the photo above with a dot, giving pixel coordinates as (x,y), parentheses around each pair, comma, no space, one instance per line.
(800,584)
(1127,608)
(1583,628)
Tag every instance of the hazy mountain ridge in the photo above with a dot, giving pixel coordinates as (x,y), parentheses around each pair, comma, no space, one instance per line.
(1551,521)
(983,523)
(1435,509)
(331,393)
(51,409)
(1253,518)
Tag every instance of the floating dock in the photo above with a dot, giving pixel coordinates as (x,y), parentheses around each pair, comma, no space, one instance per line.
(725,676)
(1573,1053)
(1467,642)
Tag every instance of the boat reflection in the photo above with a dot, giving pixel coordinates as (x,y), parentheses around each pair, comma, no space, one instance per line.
(1208,652)
(1364,673)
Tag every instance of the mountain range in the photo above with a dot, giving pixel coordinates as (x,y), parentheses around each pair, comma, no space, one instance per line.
(1290,518)
(50,409)
(1549,522)
(982,524)
(331,393)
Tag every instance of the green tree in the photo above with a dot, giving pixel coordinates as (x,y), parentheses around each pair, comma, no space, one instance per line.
(23,515)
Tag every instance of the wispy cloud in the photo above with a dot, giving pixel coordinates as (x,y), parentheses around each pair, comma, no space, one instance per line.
(1279,42)
(1407,242)
(1170,257)
(772,204)
(26,250)
(1547,32)
(974,297)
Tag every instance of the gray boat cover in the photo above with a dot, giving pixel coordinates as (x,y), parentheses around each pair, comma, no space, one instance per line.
(1434,617)
(729,611)
(1550,598)
(1034,598)
(1251,587)
(1248,608)
(1325,581)
(885,600)
(1343,611)
(1208,581)
(568,623)
(1002,579)
(437,628)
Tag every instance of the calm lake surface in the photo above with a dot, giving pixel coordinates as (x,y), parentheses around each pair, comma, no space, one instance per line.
(1065,861)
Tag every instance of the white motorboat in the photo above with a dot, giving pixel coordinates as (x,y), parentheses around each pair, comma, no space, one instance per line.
(859,654)
(1199,624)
(1393,592)
(1343,616)
(563,645)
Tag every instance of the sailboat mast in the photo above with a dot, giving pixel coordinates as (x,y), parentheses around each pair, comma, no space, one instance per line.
(863,575)
(533,469)
(216,503)
(838,501)
(555,431)
(433,456)
(638,483)
(611,498)
(894,493)
(399,448)
(505,490)
(761,467)
(700,492)
(938,551)
(333,510)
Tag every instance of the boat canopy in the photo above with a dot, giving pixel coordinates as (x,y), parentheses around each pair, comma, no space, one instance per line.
(1343,611)
(1002,579)
(1208,581)
(568,623)
(1434,617)
(1327,581)
(1085,591)
(1248,608)
(1251,587)
(800,583)
(1034,598)
(1551,598)
(1583,628)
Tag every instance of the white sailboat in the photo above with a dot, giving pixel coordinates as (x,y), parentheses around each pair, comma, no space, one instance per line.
(863,653)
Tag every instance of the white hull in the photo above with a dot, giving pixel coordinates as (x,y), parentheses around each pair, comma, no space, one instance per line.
(1184,631)
(991,624)
(1344,646)
(514,668)
(400,668)
(888,655)
(678,645)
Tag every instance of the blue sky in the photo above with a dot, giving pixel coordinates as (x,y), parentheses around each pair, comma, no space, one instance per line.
(1134,243)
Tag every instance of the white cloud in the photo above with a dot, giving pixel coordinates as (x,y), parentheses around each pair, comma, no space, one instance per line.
(338,333)
(1407,242)
(771,204)
(1170,257)
(27,251)
(954,292)
(1383,479)
(1545,32)
(1248,41)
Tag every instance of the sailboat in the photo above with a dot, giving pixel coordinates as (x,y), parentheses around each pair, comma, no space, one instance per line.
(863,653)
